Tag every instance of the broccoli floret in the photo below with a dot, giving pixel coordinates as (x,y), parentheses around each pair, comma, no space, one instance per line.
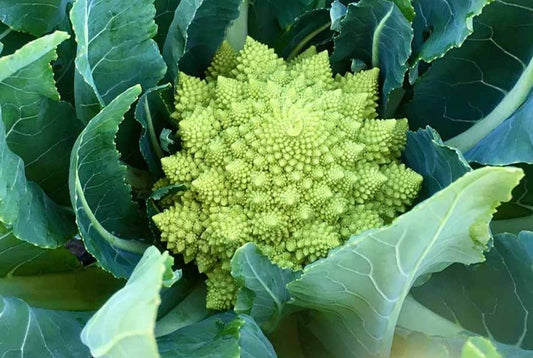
(282,154)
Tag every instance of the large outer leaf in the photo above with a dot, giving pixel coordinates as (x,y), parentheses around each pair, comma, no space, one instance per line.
(163,18)
(12,40)
(360,287)
(220,336)
(52,279)
(188,306)
(263,293)
(40,128)
(312,28)
(447,22)
(115,51)
(108,220)
(376,32)
(438,164)
(476,87)
(24,208)
(36,16)
(196,33)
(268,19)
(517,215)
(124,326)
(467,295)
(33,332)
(509,143)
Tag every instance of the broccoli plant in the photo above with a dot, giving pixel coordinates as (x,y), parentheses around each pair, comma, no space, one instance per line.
(208,178)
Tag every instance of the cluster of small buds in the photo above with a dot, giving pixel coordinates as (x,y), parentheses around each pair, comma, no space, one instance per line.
(282,154)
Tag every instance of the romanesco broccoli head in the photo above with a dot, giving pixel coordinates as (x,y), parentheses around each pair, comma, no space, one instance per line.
(282,154)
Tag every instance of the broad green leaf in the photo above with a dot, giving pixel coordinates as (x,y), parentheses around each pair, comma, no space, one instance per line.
(196,32)
(36,17)
(109,222)
(25,209)
(407,8)
(252,341)
(509,143)
(430,329)
(440,25)
(408,344)
(358,290)
(163,18)
(215,336)
(12,40)
(51,279)
(263,293)
(479,347)
(124,326)
(64,67)
(115,51)
(474,88)
(220,336)
(522,203)
(438,164)
(189,309)
(33,332)
(376,32)
(467,296)
(269,19)
(152,112)
(310,29)
(40,128)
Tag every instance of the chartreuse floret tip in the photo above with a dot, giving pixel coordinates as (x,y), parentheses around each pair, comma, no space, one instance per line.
(281,154)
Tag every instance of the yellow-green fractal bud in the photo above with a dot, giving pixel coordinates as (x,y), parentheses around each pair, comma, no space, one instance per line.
(282,154)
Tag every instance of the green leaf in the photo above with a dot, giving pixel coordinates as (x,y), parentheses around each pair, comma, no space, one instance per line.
(196,32)
(252,341)
(163,18)
(40,128)
(152,112)
(34,332)
(115,51)
(220,336)
(406,8)
(24,208)
(36,17)
(359,289)
(263,291)
(440,25)
(64,67)
(124,326)
(310,29)
(466,295)
(479,347)
(189,310)
(474,88)
(109,222)
(376,32)
(510,142)
(12,40)
(269,19)
(438,164)
(521,206)
(212,337)
(51,279)
(409,344)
